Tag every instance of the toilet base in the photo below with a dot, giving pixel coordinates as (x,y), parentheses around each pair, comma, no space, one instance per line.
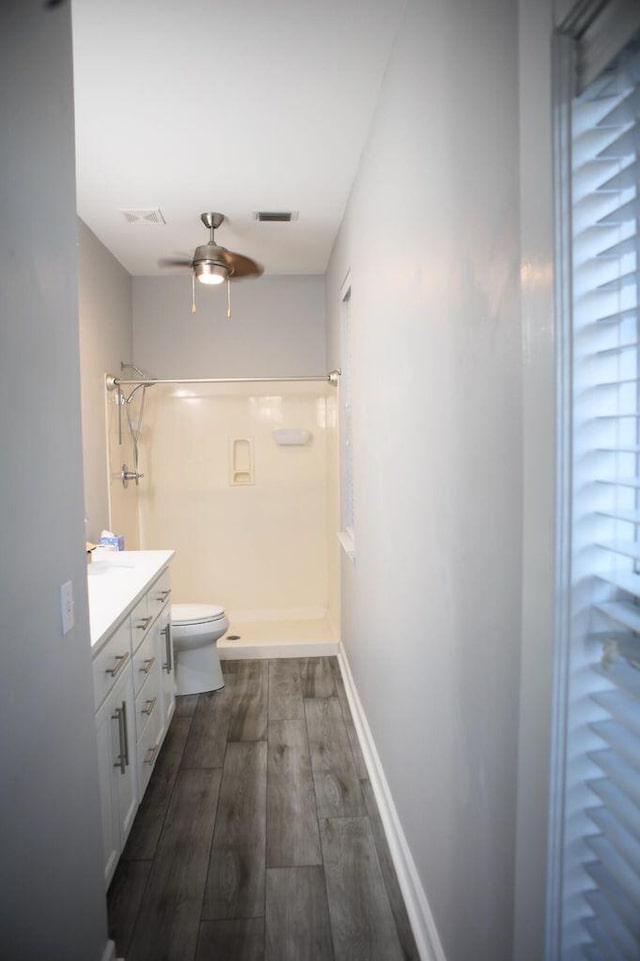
(198,671)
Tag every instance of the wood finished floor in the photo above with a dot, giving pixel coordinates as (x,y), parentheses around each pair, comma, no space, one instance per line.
(258,838)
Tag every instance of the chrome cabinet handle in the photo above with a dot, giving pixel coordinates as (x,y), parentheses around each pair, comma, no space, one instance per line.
(125,729)
(163,595)
(121,660)
(150,661)
(168,665)
(149,706)
(121,762)
(143,623)
(151,754)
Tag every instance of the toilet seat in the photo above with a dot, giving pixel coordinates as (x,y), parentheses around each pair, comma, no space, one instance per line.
(186,615)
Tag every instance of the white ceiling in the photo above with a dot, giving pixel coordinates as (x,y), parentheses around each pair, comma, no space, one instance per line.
(236,106)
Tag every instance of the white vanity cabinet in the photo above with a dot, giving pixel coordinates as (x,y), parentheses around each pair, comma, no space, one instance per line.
(134,686)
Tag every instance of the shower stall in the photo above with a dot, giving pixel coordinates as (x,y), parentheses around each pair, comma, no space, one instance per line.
(240,478)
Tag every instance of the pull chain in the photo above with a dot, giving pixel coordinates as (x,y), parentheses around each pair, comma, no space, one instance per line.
(228,296)
(193,292)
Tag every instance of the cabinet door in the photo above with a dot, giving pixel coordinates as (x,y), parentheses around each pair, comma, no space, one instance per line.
(115,732)
(165,656)
(108,802)
(124,750)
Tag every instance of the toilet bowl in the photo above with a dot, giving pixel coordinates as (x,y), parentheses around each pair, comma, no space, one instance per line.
(195,628)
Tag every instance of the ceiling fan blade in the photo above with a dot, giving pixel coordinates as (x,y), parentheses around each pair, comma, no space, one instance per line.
(174,262)
(242,266)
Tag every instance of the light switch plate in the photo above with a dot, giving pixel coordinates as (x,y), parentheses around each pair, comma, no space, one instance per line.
(67,607)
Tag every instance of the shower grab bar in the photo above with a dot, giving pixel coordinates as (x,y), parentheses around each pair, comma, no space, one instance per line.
(114,382)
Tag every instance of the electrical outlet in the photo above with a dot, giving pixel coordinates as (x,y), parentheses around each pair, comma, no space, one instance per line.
(67,607)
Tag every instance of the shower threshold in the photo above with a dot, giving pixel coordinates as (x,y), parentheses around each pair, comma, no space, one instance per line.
(285,638)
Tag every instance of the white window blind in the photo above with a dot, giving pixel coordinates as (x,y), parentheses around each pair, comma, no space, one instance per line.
(601,837)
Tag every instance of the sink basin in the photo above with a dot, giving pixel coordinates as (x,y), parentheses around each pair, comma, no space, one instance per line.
(107,567)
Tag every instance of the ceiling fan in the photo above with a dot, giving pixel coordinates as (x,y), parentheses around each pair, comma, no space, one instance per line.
(212,264)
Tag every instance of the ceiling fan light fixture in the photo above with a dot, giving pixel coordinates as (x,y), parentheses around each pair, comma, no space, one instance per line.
(210,273)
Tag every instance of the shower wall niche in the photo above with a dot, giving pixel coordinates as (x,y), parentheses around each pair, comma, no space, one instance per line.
(247,514)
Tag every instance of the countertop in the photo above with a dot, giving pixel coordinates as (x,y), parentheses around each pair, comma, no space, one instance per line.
(117,581)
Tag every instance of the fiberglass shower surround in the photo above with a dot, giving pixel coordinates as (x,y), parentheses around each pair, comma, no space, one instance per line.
(144,380)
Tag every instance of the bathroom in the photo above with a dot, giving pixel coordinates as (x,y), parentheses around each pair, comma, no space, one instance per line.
(260,543)
(452,428)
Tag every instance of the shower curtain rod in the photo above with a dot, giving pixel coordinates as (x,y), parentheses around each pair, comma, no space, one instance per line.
(114,382)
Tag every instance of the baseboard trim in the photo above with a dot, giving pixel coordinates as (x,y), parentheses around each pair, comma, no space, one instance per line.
(303,649)
(109,953)
(422,922)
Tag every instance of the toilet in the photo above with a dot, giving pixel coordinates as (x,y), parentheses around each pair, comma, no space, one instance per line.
(195,628)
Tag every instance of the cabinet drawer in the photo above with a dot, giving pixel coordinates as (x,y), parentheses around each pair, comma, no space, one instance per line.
(149,746)
(141,619)
(159,593)
(144,660)
(111,661)
(148,700)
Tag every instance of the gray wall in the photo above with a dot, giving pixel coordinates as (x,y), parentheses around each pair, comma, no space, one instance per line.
(277,328)
(431,608)
(104,289)
(52,896)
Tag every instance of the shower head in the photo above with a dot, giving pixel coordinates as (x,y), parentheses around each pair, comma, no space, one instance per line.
(143,376)
(135,390)
(137,370)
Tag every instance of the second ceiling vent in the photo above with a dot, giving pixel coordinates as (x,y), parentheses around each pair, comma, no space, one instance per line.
(276,216)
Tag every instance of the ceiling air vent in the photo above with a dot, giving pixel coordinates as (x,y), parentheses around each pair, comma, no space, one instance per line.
(276,216)
(145,216)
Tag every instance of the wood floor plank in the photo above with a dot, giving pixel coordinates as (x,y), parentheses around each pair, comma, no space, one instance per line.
(147,826)
(207,740)
(403,927)
(358,757)
(229,666)
(186,705)
(250,701)
(297,916)
(337,787)
(292,822)
(235,883)
(317,677)
(123,901)
(285,690)
(362,922)
(167,927)
(237,940)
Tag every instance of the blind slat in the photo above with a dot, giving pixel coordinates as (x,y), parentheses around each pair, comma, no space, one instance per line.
(617,836)
(617,801)
(621,215)
(624,179)
(622,449)
(622,612)
(624,742)
(629,279)
(615,864)
(620,772)
(627,246)
(614,894)
(624,580)
(606,948)
(626,145)
(619,316)
(613,924)
(623,709)
(619,348)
